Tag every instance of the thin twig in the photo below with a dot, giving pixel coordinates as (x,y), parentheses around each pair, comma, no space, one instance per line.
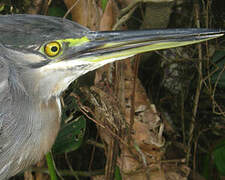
(197,93)
(85,109)
(70,9)
(124,18)
(69,173)
(93,152)
(45,6)
(215,105)
(95,143)
(183,160)
(196,145)
(182,118)
(70,166)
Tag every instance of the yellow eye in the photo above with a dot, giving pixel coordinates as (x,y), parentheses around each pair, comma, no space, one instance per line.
(52,49)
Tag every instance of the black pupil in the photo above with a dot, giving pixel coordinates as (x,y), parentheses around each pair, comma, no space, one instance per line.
(54,49)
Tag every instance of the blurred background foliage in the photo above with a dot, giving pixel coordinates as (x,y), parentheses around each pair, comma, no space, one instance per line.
(171,80)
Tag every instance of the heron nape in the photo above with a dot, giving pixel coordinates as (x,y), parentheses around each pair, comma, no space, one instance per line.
(40,56)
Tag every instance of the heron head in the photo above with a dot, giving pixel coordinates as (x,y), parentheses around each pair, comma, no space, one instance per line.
(45,54)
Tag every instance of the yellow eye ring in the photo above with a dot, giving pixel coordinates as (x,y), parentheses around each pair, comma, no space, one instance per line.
(52,49)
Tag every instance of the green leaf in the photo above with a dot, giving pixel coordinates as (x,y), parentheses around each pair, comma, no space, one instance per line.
(219,157)
(70,136)
(2,7)
(219,60)
(206,166)
(56,11)
(104,3)
(117,174)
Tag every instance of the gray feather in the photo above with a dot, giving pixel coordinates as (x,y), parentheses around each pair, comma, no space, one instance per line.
(40,28)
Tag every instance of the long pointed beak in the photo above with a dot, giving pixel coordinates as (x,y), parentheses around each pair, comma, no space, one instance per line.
(109,46)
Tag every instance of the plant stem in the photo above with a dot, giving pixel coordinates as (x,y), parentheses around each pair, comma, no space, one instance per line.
(51,168)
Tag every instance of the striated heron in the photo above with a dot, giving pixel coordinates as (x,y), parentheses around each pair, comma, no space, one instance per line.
(39,57)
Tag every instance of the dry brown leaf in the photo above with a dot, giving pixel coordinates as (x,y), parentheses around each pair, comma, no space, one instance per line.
(109,16)
(85,12)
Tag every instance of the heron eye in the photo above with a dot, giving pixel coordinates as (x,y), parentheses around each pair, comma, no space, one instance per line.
(52,49)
